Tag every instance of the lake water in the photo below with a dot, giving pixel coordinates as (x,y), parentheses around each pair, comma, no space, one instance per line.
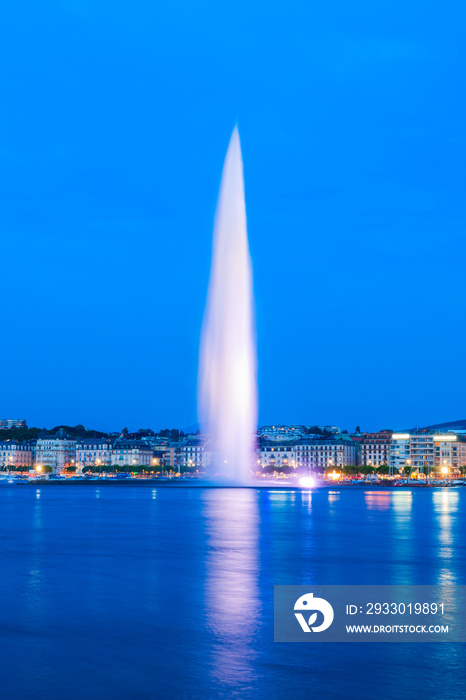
(124,592)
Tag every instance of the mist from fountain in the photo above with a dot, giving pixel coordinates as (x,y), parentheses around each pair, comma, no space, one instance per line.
(227,386)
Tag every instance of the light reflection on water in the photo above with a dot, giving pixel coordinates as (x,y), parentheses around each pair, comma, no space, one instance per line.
(35,577)
(231,583)
(445,503)
(402,502)
(377,500)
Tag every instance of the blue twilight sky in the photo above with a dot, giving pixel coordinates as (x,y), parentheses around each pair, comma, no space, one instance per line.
(115,119)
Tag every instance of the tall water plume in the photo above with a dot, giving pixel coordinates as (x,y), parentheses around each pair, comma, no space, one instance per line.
(227,390)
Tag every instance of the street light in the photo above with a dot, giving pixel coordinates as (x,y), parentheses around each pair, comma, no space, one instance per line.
(444,469)
(408,467)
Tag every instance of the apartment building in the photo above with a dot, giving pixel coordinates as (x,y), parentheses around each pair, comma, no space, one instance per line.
(277,454)
(399,455)
(131,453)
(428,451)
(336,451)
(374,448)
(93,452)
(195,455)
(309,453)
(15,455)
(57,451)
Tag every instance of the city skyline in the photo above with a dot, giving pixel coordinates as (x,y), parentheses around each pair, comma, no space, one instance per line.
(353,144)
(278,450)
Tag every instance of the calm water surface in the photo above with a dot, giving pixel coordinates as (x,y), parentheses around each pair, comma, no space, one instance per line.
(124,592)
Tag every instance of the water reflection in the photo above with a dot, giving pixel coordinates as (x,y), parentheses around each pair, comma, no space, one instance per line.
(231,583)
(306,498)
(402,503)
(35,580)
(377,500)
(445,502)
(401,536)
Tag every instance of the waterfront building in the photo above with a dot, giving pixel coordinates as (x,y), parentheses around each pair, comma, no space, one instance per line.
(57,451)
(93,452)
(161,456)
(421,451)
(195,454)
(175,455)
(15,455)
(399,453)
(277,454)
(449,453)
(428,451)
(374,448)
(131,453)
(336,451)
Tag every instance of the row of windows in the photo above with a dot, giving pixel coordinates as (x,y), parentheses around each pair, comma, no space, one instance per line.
(92,447)
(374,442)
(16,447)
(310,459)
(15,457)
(67,443)
(89,454)
(317,448)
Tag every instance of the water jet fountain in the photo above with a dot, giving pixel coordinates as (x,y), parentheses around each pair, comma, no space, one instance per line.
(227,388)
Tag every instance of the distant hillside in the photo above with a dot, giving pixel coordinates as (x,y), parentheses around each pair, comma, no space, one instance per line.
(452,425)
(24,434)
(191,429)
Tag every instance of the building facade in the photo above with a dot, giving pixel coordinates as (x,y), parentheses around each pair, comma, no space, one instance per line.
(374,448)
(449,453)
(318,455)
(15,455)
(131,453)
(93,452)
(428,452)
(195,455)
(277,454)
(400,456)
(175,455)
(57,451)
